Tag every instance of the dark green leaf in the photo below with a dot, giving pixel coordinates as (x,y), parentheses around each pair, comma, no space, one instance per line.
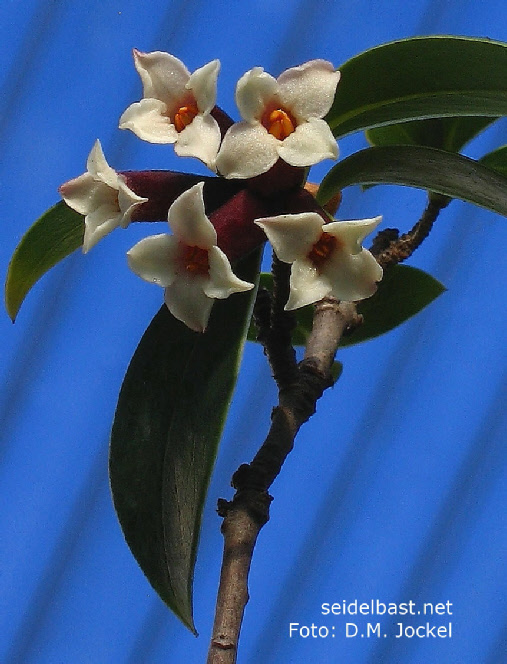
(403,292)
(427,168)
(497,160)
(450,134)
(167,426)
(418,78)
(51,238)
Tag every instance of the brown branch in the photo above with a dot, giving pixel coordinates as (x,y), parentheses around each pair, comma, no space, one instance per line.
(248,511)
(400,248)
(240,532)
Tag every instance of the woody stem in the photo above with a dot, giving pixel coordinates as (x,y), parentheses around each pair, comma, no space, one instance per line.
(248,511)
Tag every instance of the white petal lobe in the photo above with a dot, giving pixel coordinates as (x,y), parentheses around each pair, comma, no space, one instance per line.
(98,168)
(201,139)
(223,282)
(154,259)
(246,151)
(309,90)
(292,235)
(311,143)
(188,220)
(254,91)
(163,76)
(203,83)
(148,120)
(307,285)
(187,302)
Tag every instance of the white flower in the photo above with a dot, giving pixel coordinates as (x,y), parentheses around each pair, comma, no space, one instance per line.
(282,118)
(176,106)
(188,264)
(327,259)
(102,196)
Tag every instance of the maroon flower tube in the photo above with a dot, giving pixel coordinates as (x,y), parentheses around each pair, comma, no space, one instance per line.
(162,188)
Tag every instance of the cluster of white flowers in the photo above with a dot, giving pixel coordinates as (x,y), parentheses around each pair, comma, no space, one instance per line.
(282,119)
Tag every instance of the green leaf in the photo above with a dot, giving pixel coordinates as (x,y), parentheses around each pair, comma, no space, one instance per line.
(450,134)
(51,238)
(418,78)
(170,414)
(497,160)
(402,293)
(415,166)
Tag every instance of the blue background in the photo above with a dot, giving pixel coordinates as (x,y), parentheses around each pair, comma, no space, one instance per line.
(396,489)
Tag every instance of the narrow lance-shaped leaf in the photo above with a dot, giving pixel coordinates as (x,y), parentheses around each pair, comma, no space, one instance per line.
(165,436)
(402,293)
(55,235)
(497,160)
(450,134)
(427,168)
(421,77)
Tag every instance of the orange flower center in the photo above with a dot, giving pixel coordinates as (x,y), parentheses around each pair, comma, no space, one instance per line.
(184,115)
(279,123)
(322,249)
(195,260)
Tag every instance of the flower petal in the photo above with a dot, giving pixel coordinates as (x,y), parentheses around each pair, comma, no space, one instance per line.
(98,223)
(309,90)
(154,259)
(187,302)
(247,150)
(149,121)
(352,233)
(353,277)
(352,270)
(83,193)
(98,167)
(201,139)
(312,142)
(164,77)
(127,202)
(254,91)
(188,220)
(203,84)
(307,285)
(292,235)
(222,280)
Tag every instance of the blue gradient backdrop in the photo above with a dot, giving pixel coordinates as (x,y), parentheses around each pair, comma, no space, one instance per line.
(396,489)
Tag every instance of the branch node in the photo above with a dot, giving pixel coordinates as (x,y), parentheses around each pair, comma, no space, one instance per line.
(383,239)
(250,497)
(401,248)
(353,325)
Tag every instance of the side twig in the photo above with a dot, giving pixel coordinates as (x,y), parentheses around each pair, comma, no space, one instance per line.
(389,249)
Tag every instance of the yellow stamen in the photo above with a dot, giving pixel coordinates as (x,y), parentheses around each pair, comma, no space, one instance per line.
(322,249)
(280,124)
(184,116)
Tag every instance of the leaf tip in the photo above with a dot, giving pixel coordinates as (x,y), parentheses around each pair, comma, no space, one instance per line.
(184,613)
(11,305)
